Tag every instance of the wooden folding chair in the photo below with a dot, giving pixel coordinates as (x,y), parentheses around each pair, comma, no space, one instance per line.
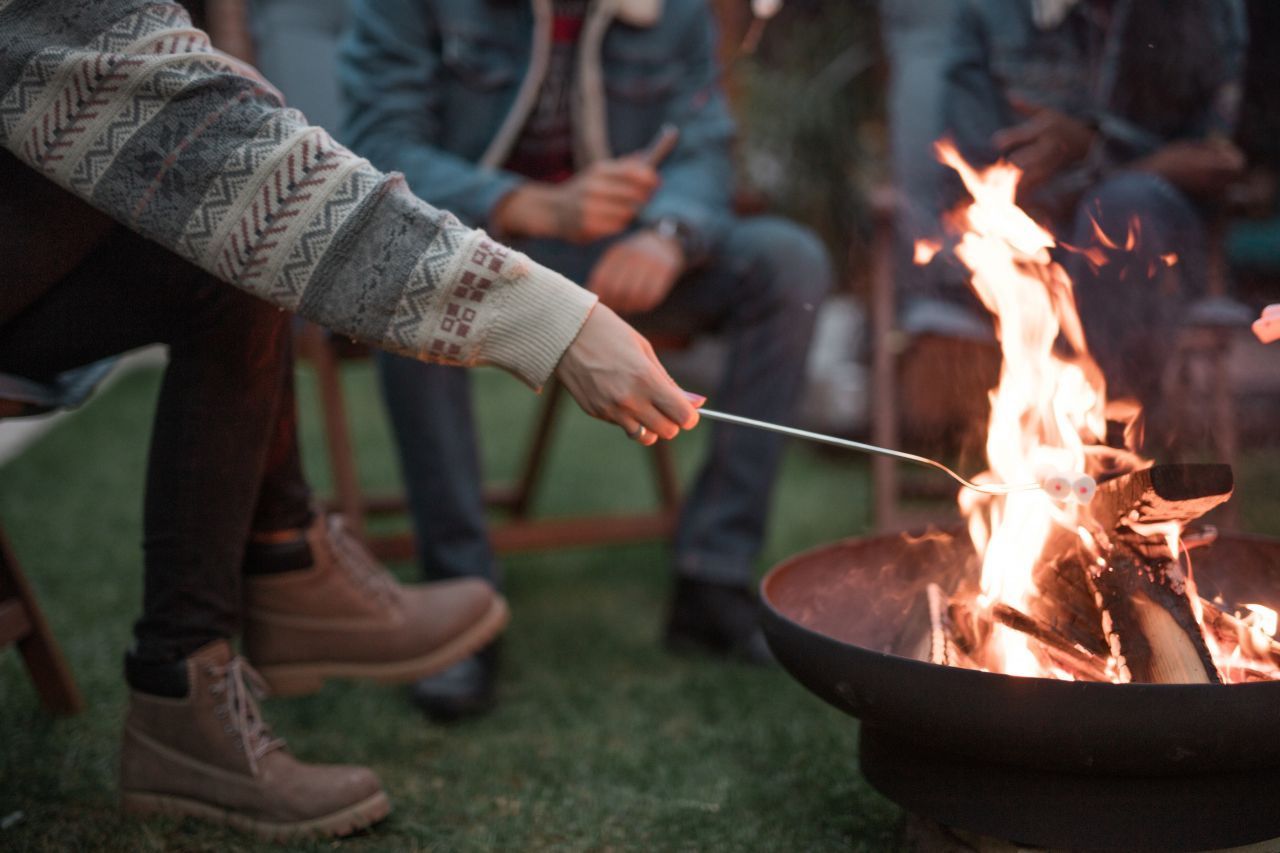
(523,529)
(22,623)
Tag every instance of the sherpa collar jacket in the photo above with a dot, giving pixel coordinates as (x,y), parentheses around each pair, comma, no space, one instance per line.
(440,90)
(124,104)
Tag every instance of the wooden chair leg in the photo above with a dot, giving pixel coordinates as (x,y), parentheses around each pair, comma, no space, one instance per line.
(313,343)
(664,470)
(23,623)
(522,531)
(1224,427)
(884,400)
(536,456)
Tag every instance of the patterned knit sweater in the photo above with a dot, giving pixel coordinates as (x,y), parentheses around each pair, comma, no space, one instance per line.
(126,105)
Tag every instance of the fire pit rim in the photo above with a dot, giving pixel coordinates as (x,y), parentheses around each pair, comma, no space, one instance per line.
(1082,726)
(807,554)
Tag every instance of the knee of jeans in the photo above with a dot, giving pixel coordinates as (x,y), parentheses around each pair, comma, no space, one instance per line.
(1159,209)
(797,268)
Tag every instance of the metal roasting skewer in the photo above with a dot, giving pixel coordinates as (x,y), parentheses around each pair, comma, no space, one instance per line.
(985,488)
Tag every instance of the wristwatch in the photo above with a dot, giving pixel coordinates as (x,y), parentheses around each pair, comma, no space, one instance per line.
(674,229)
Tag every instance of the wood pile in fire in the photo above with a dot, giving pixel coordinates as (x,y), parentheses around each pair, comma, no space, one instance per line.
(1116,602)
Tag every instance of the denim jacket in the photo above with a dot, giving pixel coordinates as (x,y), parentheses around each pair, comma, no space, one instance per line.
(439,90)
(1072,66)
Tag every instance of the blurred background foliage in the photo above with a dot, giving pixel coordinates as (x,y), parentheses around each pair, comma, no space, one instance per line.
(810,105)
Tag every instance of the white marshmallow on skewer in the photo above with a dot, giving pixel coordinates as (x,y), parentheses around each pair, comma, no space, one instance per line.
(1084,488)
(1057,486)
(1069,486)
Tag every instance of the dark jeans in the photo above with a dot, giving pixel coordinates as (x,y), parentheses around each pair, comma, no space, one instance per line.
(223,458)
(761,290)
(1132,306)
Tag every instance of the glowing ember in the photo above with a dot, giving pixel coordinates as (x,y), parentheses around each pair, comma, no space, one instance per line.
(925,250)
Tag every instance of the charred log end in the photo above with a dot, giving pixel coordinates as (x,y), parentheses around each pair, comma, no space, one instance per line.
(1162,493)
(1191,482)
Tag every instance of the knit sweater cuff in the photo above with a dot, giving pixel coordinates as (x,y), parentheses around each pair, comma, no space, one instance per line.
(540,317)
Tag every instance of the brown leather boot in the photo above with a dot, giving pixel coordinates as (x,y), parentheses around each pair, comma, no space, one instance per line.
(347,617)
(209,755)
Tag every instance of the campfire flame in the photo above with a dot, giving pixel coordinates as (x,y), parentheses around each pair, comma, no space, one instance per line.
(1049,418)
(1047,404)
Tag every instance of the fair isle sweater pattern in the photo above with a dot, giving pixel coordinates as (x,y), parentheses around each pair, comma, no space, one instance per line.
(128,106)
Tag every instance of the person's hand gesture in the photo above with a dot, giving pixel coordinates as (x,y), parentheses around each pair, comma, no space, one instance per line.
(1045,144)
(613,374)
(598,202)
(634,275)
(1198,166)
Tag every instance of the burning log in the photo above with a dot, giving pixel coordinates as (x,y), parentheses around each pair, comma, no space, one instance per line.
(1067,602)
(1077,660)
(944,636)
(1258,654)
(1148,618)
(1129,505)
(1125,612)
(1149,621)
(941,649)
(1131,604)
(967,628)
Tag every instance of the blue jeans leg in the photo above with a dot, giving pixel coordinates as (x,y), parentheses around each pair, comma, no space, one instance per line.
(1131,306)
(429,406)
(762,290)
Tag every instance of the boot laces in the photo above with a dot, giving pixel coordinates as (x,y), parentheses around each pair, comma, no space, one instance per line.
(242,687)
(361,566)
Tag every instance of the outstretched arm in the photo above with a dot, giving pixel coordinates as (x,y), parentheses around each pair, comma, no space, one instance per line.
(127,106)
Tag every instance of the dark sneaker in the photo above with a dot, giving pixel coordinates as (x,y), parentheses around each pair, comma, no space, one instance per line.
(462,691)
(717,619)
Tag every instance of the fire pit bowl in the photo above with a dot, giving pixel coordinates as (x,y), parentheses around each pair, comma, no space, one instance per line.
(1055,763)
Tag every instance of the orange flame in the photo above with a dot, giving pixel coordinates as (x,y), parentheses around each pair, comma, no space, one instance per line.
(925,250)
(1047,403)
(1048,414)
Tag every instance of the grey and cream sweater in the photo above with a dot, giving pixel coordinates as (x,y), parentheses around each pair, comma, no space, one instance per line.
(126,105)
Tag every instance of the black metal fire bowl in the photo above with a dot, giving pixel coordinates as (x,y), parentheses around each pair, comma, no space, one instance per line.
(1055,763)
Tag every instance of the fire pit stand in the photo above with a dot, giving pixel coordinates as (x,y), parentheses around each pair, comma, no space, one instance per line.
(1074,811)
(1076,765)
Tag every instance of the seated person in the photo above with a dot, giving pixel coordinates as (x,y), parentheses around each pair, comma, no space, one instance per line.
(536,127)
(1118,112)
(129,212)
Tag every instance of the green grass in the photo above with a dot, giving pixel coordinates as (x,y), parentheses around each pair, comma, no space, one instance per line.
(601,740)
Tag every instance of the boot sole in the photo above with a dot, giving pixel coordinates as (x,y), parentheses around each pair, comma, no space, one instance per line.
(306,678)
(342,822)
